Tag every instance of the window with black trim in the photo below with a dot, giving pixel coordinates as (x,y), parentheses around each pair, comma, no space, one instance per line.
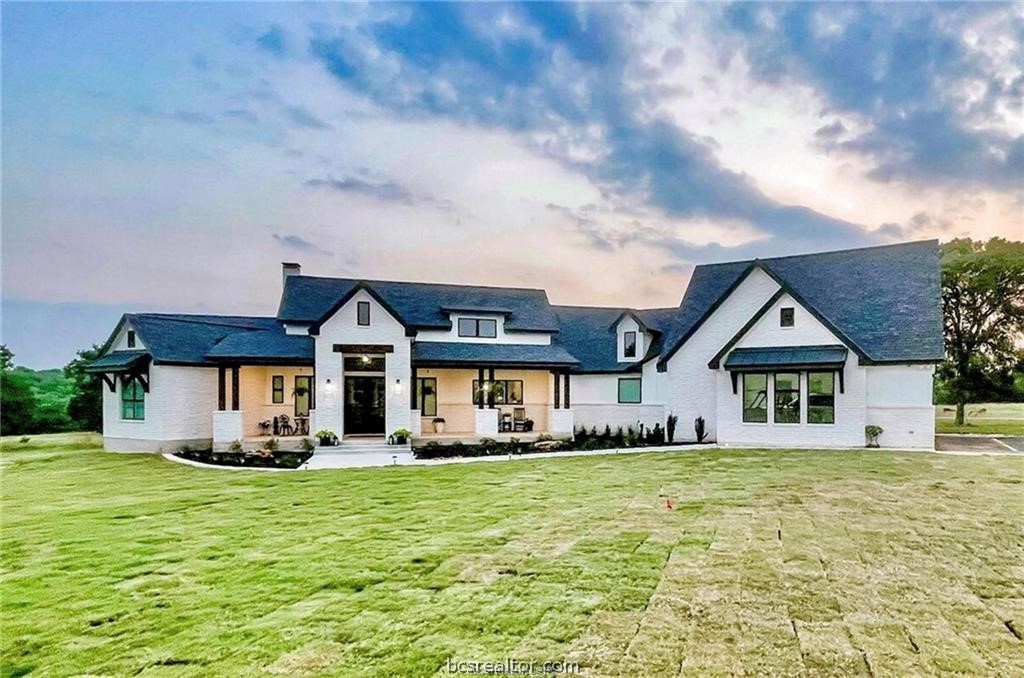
(506,391)
(363,363)
(629,344)
(821,397)
(363,313)
(630,390)
(426,396)
(131,339)
(277,389)
(787,398)
(755,398)
(786,318)
(486,328)
(133,401)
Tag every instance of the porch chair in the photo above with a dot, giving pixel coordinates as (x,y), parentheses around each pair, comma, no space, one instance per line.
(284,426)
(265,427)
(519,419)
(505,425)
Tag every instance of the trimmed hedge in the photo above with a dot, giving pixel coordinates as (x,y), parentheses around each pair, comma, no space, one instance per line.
(259,459)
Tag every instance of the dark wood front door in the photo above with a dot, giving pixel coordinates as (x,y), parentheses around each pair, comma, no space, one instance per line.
(364,405)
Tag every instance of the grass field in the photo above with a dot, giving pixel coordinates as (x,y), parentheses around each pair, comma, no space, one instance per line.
(821,563)
(996,418)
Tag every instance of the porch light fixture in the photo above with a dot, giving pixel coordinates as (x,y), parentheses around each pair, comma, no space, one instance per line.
(398,387)
(329,386)
(366,359)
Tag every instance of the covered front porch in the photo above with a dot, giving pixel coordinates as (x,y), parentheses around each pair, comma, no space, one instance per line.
(490,391)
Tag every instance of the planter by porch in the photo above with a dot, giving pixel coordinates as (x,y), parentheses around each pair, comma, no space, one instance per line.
(439,425)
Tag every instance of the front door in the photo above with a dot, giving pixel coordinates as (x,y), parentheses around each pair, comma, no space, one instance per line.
(364,405)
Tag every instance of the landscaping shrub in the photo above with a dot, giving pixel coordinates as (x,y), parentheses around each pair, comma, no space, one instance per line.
(253,459)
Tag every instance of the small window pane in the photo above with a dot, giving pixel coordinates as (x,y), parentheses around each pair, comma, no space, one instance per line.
(629,345)
(487,328)
(277,386)
(786,317)
(133,404)
(363,312)
(427,396)
(787,398)
(363,363)
(755,398)
(467,327)
(821,398)
(131,338)
(514,392)
(629,390)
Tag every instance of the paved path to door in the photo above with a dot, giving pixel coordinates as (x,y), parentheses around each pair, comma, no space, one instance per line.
(980,444)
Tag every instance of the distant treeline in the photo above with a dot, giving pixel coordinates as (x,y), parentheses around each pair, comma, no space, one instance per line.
(49,401)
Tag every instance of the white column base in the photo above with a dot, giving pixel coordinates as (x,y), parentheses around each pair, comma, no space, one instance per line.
(561,421)
(486,422)
(227,426)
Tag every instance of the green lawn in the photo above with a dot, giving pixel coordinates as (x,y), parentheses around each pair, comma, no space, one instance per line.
(995,418)
(844,563)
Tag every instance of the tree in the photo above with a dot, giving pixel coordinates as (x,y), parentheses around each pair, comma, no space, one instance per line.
(17,402)
(86,405)
(983,314)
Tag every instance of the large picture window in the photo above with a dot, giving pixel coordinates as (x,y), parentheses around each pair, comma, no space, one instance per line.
(821,397)
(133,400)
(478,327)
(630,390)
(426,396)
(506,392)
(277,389)
(787,398)
(629,344)
(755,398)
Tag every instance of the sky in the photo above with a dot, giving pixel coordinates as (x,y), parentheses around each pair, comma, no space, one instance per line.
(168,157)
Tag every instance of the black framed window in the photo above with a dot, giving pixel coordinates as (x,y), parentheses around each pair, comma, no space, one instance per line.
(755,398)
(629,344)
(363,363)
(787,398)
(478,327)
(277,389)
(131,338)
(133,400)
(426,396)
(506,392)
(363,313)
(821,397)
(786,317)
(630,390)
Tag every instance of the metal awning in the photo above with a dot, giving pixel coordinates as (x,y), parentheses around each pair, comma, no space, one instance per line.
(119,361)
(788,357)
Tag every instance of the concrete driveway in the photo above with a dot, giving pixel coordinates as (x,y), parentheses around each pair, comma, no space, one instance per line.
(976,443)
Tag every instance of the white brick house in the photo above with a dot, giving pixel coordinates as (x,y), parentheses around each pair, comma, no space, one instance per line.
(801,351)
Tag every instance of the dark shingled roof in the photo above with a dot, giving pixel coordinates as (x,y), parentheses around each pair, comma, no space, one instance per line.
(493,354)
(885,300)
(265,345)
(308,299)
(786,356)
(588,332)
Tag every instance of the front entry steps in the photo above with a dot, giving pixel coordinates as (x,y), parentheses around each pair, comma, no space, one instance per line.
(360,452)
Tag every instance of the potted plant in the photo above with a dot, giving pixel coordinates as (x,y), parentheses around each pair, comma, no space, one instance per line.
(438,424)
(326,437)
(872,432)
(402,436)
(700,428)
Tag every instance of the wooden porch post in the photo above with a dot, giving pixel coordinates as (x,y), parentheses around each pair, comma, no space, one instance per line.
(480,381)
(234,387)
(567,405)
(413,383)
(221,388)
(557,389)
(490,388)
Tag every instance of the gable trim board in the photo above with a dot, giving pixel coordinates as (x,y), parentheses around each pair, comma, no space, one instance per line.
(886,302)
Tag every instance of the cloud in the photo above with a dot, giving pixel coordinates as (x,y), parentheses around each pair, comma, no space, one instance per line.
(296,242)
(243,114)
(273,41)
(300,116)
(386,191)
(193,118)
(831,131)
(919,226)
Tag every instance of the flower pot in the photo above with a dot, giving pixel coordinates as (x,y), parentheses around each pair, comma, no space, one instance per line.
(438,427)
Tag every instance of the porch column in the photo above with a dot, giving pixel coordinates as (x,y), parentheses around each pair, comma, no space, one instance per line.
(222,396)
(567,405)
(412,390)
(558,390)
(234,387)
(490,388)
(480,380)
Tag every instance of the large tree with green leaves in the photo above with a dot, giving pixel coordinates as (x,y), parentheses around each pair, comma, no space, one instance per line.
(983,314)
(17,402)
(86,405)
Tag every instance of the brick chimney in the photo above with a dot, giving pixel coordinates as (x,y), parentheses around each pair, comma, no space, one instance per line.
(289,268)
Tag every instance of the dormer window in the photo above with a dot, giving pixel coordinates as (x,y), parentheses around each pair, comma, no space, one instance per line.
(786,317)
(131,339)
(629,344)
(363,313)
(485,328)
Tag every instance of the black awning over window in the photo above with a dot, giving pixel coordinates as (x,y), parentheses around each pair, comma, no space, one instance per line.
(786,357)
(119,361)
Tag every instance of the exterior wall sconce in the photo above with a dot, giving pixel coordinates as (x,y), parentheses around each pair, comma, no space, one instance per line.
(398,387)
(329,386)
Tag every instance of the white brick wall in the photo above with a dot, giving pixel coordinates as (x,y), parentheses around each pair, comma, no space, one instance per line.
(899,399)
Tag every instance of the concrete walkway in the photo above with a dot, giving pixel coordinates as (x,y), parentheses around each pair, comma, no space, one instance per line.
(980,444)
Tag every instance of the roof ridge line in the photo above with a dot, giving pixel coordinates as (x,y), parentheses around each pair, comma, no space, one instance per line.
(371,281)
